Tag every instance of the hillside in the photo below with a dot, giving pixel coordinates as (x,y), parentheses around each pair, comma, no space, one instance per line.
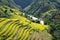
(14,20)
(13,26)
(49,11)
(39,7)
(11,4)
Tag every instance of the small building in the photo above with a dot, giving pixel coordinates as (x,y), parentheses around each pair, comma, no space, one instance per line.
(34,19)
(42,22)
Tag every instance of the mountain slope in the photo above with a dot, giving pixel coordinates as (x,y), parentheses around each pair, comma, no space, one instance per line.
(38,7)
(11,3)
(13,26)
(49,11)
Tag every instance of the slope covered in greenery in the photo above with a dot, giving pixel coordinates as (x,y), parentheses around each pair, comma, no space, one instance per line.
(13,26)
(47,10)
(11,4)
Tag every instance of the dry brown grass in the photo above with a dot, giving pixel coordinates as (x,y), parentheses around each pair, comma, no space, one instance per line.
(39,36)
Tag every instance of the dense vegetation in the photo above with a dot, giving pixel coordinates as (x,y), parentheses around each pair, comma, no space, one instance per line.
(13,17)
(13,26)
(49,11)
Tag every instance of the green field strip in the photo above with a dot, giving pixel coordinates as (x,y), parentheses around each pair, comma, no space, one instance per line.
(10,28)
(13,34)
(2,25)
(4,29)
(27,34)
(21,33)
(27,29)
(18,33)
(2,19)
